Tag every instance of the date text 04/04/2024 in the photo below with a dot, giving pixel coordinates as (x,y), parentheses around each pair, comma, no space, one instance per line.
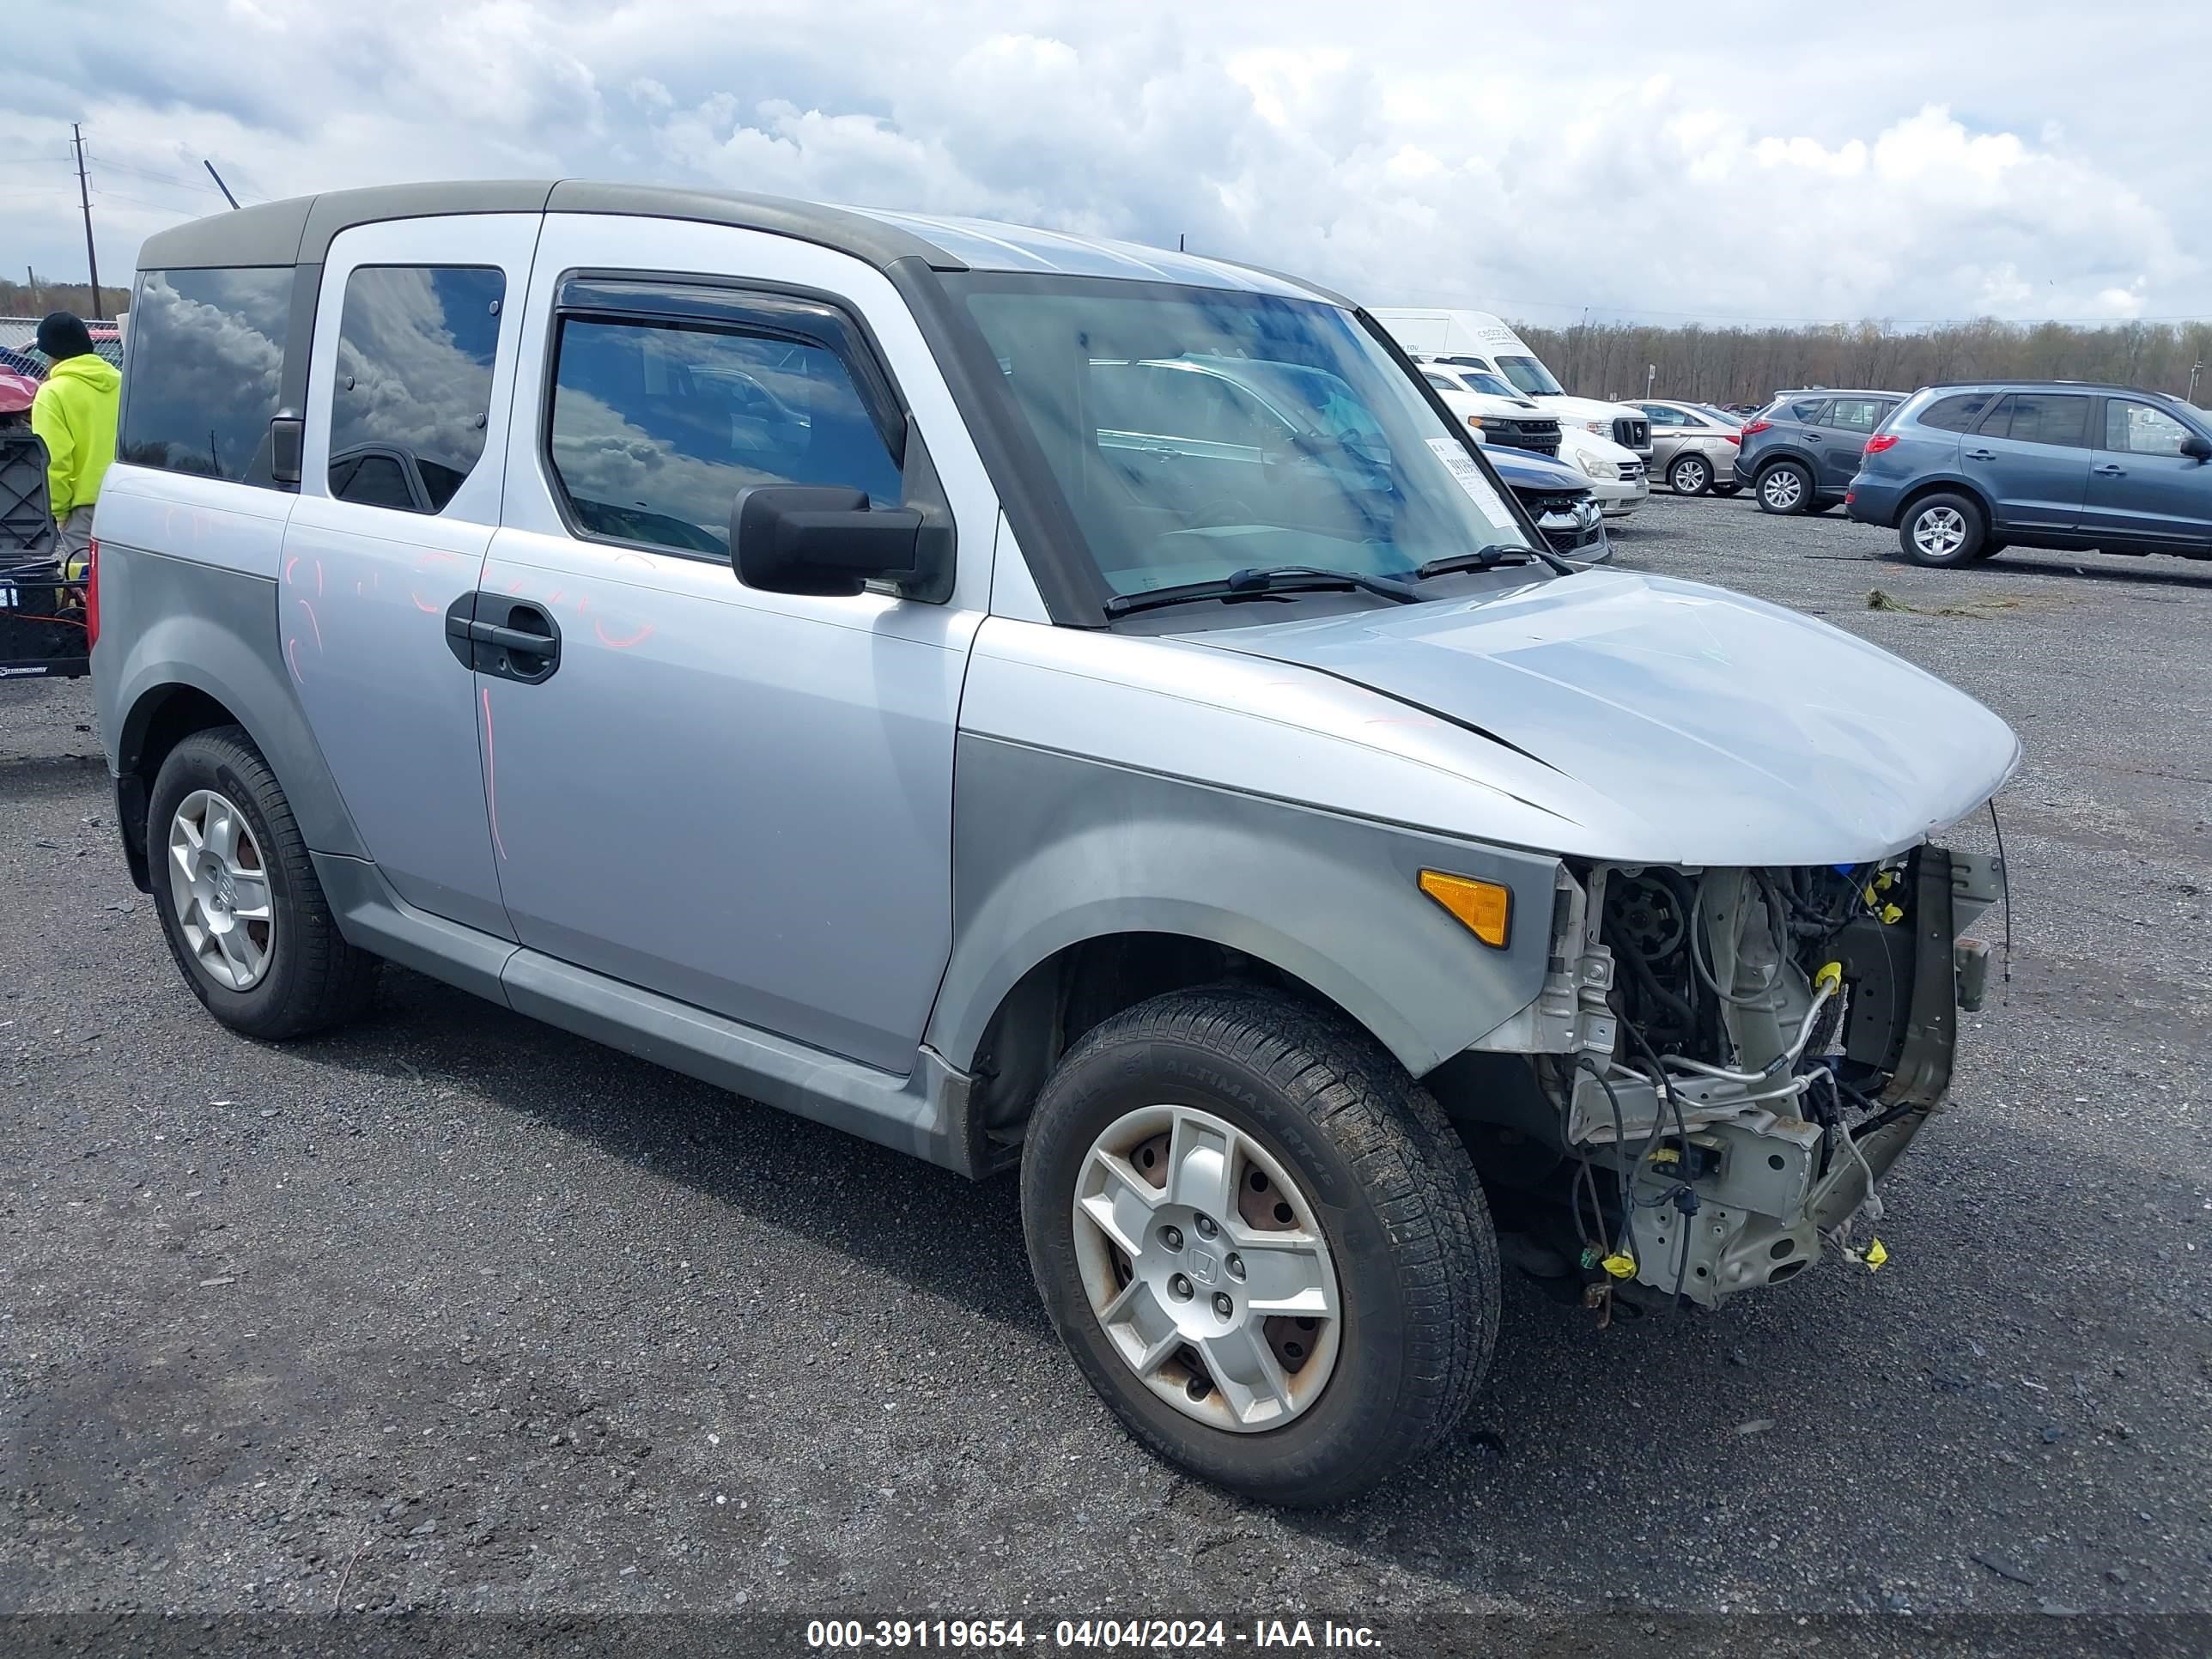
(1157,1634)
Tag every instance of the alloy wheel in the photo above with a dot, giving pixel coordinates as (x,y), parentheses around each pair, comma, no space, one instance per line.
(1782,489)
(219,884)
(1940,531)
(1206,1269)
(1690,476)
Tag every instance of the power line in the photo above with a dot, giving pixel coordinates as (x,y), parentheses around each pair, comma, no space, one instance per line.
(158,178)
(107,195)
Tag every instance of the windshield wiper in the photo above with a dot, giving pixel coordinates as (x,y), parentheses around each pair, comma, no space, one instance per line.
(1489,558)
(1257,580)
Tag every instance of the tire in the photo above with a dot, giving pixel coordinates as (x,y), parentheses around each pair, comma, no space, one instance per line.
(1690,475)
(1725,489)
(1374,1175)
(1785,488)
(284,973)
(1942,531)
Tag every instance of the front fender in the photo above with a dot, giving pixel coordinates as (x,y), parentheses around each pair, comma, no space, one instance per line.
(1050,850)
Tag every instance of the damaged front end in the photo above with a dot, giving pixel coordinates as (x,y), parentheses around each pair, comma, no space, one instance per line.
(1722,1067)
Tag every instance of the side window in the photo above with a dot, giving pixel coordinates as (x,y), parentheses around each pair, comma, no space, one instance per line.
(656,427)
(1441,383)
(1957,413)
(2139,429)
(207,354)
(412,392)
(1809,410)
(1855,414)
(2039,417)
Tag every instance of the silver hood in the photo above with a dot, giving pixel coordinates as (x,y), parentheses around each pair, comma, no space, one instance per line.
(1667,722)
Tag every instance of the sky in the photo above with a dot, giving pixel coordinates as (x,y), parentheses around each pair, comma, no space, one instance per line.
(1714,162)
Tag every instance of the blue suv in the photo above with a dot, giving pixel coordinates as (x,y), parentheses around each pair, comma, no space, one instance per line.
(1964,472)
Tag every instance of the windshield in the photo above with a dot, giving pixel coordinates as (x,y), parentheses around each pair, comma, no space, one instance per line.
(1199,432)
(1531,377)
(1488,383)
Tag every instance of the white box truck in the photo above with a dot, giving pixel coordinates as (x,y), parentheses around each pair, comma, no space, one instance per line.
(1478,340)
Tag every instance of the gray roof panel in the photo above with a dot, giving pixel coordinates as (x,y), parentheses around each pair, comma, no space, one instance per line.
(986,244)
(267,235)
(300,231)
(862,235)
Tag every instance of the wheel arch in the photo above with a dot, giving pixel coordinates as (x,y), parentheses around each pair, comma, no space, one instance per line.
(1767,463)
(1080,984)
(1081,888)
(191,670)
(1948,484)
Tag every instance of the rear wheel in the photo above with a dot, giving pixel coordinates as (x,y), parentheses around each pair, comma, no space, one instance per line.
(1690,475)
(1784,488)
(241,909)
(1942,531)
(1263,1243)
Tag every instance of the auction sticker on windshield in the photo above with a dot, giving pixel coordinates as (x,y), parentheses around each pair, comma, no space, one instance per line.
(1478,488)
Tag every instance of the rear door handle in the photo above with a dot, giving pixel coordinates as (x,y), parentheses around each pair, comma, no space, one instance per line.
(1981,454)
(2110,471)
(526,647)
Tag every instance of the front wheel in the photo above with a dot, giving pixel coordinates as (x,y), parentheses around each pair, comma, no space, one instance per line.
(1785,488)
(1690,475)
(1263,1243)
(1942,531)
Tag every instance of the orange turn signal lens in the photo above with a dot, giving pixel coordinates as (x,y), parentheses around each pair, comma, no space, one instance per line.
(1484,907)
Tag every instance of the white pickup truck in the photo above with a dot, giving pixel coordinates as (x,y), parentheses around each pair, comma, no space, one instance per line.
(1479,340)
(1497,413)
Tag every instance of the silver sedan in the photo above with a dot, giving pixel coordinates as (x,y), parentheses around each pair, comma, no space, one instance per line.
(1694,447)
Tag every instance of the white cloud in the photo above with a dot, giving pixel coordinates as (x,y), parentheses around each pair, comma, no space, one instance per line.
(1886,161)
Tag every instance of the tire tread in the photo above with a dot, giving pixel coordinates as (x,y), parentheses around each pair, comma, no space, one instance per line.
(1406,1157)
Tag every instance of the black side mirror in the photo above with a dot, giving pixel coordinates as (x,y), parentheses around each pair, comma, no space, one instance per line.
(802,539)
(287,443)
(2197,448)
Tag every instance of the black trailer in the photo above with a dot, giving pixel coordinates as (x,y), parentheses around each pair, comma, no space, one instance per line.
(43,620)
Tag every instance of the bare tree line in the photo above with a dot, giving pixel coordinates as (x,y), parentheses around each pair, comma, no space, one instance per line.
(1750,365)
(37,298)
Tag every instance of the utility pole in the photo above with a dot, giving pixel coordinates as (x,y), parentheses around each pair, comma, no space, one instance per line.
(84,201)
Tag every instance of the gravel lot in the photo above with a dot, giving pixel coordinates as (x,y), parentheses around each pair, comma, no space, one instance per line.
(454,1312)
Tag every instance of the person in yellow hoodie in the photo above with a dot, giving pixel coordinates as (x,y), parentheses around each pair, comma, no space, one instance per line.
(75,414)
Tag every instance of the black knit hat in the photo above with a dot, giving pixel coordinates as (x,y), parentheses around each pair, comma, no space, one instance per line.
(62,334)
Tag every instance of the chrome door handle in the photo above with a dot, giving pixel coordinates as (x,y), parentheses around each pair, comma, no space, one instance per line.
(1981,454)
(2109,470)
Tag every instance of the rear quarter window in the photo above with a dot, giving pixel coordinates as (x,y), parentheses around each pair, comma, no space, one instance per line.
(207,354)
(1957,413)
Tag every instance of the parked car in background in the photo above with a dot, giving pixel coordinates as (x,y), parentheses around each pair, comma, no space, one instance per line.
(1616,473)
(1799,453)
(1479,341)
(1559,499)
(1694,447)
(1964,472)
(1493,410)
